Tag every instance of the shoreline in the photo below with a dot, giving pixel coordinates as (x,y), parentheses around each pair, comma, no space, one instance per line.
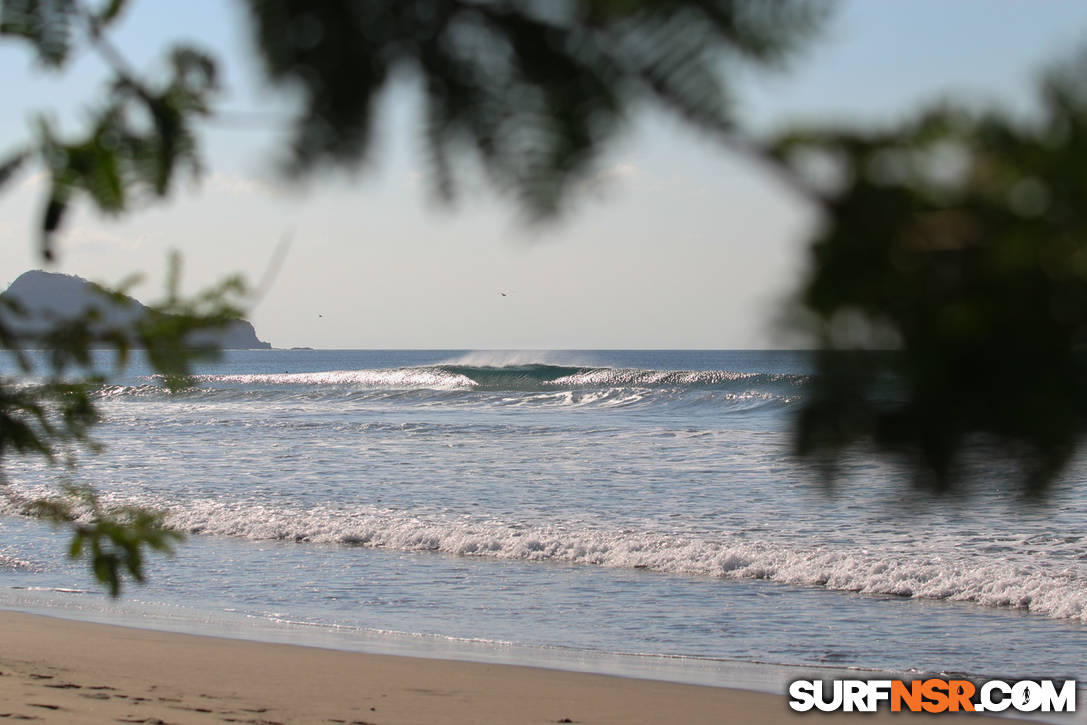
(763,676)
(60,670)
(755,676)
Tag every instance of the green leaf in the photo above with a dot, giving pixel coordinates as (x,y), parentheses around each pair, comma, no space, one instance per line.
(110,11)
(12,164)
(46,24)
(51,219)
(75,549)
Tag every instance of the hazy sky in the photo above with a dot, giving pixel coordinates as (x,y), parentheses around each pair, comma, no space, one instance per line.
(678,245)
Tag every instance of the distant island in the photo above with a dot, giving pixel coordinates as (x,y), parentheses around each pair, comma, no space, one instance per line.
(47,297)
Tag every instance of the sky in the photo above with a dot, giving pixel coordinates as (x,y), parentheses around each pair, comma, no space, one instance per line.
(676,244)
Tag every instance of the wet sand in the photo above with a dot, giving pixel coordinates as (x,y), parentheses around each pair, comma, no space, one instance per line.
(61,671)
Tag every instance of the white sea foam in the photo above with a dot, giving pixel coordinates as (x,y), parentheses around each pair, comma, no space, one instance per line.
(507,358)
(952,574)
(430,378)
(426,386)
(620,376)
(11,563)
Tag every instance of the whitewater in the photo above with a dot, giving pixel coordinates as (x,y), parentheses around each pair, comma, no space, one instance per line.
(600,502)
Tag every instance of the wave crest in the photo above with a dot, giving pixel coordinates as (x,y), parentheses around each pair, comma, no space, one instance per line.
(974,578)
(513,379)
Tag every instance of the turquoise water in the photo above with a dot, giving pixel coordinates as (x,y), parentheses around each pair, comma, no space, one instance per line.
(598,503)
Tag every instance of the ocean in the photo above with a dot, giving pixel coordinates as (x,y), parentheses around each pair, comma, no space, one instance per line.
(635,512)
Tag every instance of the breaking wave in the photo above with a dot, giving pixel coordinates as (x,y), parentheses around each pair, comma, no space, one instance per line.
(506,385)
(946,575)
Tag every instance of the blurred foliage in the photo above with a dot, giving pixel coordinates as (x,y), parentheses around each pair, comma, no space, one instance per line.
(51,408)
(134,144)
(49,25)
(138,137)
(111,538)
(137,141)
(533,90)
(948,287)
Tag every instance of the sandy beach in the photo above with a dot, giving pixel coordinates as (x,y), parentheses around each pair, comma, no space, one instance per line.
(61,671)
